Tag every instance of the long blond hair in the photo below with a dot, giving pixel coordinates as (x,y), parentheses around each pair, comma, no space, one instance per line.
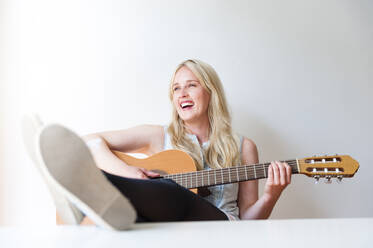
(223,150)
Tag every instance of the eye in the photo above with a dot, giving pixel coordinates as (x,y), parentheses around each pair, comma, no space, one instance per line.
(176,88)
(192,85)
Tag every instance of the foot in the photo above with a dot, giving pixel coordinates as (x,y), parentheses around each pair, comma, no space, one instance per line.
(67,212)
(70,167)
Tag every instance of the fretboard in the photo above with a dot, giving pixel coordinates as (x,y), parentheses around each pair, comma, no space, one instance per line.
(234,174)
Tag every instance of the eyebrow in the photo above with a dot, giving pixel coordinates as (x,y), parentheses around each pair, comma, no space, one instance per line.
(188,81)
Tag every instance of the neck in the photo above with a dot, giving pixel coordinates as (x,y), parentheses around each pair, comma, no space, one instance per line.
(233,174)
(200,128)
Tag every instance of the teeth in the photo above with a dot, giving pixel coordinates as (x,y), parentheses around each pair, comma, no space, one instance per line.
(184,104)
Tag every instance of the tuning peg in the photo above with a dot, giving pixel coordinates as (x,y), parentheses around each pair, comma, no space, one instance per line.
(317,178)
(328,180)
(339,179)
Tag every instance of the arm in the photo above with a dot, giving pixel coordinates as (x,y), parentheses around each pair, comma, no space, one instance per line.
(279,175)
(147,139)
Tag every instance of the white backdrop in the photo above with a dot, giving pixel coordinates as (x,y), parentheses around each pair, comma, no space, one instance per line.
(297,74)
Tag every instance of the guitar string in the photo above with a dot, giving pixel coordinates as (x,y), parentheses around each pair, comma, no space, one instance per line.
(194,183)
(195,179)
(197,176)
(226,170)
(241,177)
(232,172)
(222,172)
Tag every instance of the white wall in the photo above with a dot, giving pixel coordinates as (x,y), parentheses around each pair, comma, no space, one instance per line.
(297,75)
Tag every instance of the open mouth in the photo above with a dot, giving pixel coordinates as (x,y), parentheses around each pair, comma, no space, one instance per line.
(187,105)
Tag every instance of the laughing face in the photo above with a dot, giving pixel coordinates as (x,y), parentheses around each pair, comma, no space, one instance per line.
(190,99)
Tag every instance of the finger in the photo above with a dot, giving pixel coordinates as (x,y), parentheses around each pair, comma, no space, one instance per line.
(151,173)
(276,173)
(270,174)
(142,173)
(288,173)
(282,171)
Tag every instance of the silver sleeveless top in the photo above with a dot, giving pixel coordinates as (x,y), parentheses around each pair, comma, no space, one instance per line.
(224,196)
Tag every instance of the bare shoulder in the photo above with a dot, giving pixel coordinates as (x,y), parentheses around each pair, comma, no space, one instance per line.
(249,151)
(248,190)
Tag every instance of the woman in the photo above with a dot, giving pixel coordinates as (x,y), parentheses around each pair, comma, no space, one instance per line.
(199,111)
(201,126)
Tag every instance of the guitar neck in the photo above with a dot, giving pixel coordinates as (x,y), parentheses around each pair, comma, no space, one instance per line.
(234,174)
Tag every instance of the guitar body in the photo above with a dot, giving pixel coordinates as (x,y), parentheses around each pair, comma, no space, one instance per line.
(165,162)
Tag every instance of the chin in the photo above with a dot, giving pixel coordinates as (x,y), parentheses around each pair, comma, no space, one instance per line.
(188,119)
(185,117)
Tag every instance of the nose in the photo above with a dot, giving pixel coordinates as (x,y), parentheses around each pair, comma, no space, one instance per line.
(183,92)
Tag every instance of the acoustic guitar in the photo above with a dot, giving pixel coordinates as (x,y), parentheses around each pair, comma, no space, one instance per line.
(180,167)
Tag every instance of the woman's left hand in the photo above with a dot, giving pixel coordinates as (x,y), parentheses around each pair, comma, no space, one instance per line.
(279,176)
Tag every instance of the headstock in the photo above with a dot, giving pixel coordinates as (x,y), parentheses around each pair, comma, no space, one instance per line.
(338,166)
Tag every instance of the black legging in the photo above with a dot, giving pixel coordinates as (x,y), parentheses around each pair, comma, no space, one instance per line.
(164,200)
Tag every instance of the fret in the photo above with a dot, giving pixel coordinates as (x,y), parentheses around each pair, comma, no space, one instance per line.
(238,177)
(195,179)
(195,184)
(198,179)
(246,171)
(191,180)
(208,177)
(255,171)
(215,176)
(221,172)
(229,176)
(297,165)
(264,170)
(202,179)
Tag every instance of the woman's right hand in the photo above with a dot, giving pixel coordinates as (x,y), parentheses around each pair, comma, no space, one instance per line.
(107,161)
(139,173)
